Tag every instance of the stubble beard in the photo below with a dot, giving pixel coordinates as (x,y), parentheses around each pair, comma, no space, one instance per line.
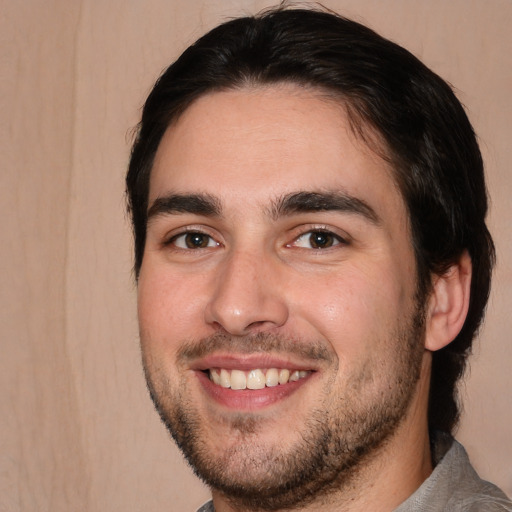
(333,445)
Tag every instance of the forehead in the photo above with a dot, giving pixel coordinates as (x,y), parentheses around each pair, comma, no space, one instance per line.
(256,144)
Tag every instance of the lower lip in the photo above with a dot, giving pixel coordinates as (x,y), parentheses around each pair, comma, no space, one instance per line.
(249,399)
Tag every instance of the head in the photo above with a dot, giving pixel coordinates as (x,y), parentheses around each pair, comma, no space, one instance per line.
(425,132)
(397,108)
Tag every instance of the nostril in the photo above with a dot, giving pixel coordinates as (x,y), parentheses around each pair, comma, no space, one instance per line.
(255,326)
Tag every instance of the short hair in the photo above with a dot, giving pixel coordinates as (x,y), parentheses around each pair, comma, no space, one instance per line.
(424,130)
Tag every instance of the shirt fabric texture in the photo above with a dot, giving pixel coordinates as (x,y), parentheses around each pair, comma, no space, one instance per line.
(453,486)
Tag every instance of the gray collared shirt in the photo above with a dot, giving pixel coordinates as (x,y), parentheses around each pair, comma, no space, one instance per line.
(453,486)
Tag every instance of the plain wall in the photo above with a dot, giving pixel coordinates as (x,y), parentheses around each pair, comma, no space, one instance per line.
(77,429)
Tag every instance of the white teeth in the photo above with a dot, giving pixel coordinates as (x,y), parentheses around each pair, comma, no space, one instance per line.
(238,380)
(254,379)
(215,376)
(294,376)
(272,378)
(284,375)
(297,374)
(225,379)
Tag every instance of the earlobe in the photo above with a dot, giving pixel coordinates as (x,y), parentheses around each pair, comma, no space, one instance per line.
(448,304)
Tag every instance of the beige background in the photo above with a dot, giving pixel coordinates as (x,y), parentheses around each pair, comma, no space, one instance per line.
(77,430)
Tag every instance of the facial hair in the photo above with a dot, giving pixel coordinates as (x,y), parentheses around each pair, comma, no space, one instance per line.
(339,437)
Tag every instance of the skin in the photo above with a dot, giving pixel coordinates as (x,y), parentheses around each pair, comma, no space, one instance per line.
(259,295)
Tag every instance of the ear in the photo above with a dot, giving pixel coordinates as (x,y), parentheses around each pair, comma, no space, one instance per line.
(448,304)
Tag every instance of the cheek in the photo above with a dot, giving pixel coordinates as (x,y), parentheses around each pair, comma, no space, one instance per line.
(354,309)
(169,309)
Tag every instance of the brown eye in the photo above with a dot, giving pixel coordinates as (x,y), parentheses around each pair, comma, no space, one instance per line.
(196,240)
(318,240)
(321,240)
(193,240)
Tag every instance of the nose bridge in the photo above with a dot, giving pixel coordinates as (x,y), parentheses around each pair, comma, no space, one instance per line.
(246,296)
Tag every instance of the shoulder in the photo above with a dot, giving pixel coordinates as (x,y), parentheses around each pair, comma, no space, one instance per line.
(484,497)
(488,504)
(454,486)
(207,507)
(471,493)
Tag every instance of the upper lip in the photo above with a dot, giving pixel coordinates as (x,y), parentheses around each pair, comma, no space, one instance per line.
(249,362)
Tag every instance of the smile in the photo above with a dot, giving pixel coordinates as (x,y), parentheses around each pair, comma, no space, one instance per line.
(254,379)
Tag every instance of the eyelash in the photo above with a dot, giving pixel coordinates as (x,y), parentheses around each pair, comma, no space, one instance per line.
(172,240)
(336,239)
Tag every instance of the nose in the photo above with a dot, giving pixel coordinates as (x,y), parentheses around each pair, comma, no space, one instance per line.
(247,296)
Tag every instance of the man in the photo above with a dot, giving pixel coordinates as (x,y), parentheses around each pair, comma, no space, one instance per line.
(313,263)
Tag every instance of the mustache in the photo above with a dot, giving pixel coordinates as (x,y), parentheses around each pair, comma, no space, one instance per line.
(254,343)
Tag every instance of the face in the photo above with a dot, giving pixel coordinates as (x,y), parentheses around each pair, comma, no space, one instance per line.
(277,296)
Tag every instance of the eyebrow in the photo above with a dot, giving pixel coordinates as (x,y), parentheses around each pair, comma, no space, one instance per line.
(289,204)
(306,202)
(198,204)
